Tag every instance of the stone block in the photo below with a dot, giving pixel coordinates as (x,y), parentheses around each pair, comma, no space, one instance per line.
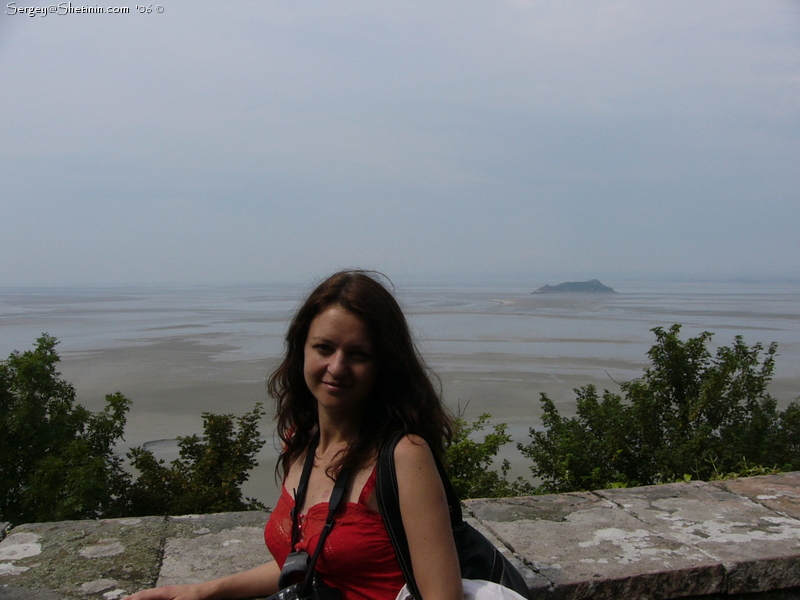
(538,584)
(589,547)
(780,493)
(202,547)
(80,559)
(759,548)
(13,592)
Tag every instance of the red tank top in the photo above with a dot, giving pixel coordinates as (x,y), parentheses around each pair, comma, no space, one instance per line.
(358,557)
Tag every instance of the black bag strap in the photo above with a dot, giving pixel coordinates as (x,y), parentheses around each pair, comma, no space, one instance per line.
(477,556)
(388,494)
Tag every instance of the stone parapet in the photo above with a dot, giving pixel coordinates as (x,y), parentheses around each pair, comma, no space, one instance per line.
(697,539)
(736,539)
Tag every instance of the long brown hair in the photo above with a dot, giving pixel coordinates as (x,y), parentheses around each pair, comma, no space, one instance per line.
(403,397)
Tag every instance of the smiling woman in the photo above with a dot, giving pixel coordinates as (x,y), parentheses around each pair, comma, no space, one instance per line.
(360,313)
(350,380)
(339,367)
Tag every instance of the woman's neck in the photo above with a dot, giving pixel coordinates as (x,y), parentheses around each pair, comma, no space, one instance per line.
(334,432)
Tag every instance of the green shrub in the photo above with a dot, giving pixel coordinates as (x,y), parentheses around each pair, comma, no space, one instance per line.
(469,462)
(57,459)
(691,415)
(208,475)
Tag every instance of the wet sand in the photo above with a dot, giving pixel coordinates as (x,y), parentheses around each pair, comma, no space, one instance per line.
(172,382)
(178,353)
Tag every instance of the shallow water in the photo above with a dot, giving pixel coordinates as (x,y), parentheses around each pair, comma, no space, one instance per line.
(179,351)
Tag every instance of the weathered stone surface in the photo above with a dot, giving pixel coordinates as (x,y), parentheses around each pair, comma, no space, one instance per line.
(554,507)
(67,556)
(790,594)
(759,548)
(3,529)
(780,493)
(203,547)
(538,584)
(589,547)
(732,540)
(13,592)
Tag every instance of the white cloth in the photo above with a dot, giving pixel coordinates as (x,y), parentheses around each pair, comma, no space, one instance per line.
(476,589)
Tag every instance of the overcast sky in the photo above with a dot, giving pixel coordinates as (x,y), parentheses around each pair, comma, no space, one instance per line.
(254,141)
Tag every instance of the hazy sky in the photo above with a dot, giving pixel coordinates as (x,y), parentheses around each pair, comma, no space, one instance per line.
(252,141)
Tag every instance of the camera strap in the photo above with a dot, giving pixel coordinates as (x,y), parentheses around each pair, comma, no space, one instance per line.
(302,488)
(337,495)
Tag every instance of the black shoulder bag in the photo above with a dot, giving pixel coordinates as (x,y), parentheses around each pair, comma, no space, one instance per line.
(477,556)
(297,580)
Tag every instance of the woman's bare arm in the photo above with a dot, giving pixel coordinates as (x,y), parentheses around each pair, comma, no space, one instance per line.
(260,581)
(426,520)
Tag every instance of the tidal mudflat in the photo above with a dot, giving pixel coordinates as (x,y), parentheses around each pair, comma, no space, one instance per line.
(177,352)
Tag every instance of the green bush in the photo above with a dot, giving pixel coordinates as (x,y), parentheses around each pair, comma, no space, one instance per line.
(209,473)
(469,463)
(691,415)
(57,459)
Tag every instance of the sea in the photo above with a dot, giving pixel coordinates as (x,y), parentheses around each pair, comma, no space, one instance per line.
(180,351)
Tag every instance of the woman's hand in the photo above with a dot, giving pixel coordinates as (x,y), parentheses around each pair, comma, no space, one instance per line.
(170,592)
(426,519)
(261,581)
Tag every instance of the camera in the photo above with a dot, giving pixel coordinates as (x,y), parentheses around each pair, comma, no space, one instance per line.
(292,581)
(294,569)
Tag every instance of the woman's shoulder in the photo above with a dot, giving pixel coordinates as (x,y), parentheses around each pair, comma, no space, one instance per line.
(413,452)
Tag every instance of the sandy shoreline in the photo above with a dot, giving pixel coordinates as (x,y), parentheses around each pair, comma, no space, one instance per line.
(178,352)
(171,382)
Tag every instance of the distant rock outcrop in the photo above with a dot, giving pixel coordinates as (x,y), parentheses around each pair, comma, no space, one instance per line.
(584,287)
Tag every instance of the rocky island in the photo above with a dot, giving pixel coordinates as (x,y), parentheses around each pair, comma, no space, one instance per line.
(591,287)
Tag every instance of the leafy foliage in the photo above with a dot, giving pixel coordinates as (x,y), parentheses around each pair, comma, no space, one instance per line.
(469,462)
(209,473)
(56,457)
(691,415)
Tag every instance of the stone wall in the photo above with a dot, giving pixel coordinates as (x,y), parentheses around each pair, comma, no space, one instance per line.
(735,539)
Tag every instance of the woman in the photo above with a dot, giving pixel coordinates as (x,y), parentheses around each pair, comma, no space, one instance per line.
(350,378)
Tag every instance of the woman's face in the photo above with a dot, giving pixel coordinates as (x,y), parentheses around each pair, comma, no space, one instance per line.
(339,360)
